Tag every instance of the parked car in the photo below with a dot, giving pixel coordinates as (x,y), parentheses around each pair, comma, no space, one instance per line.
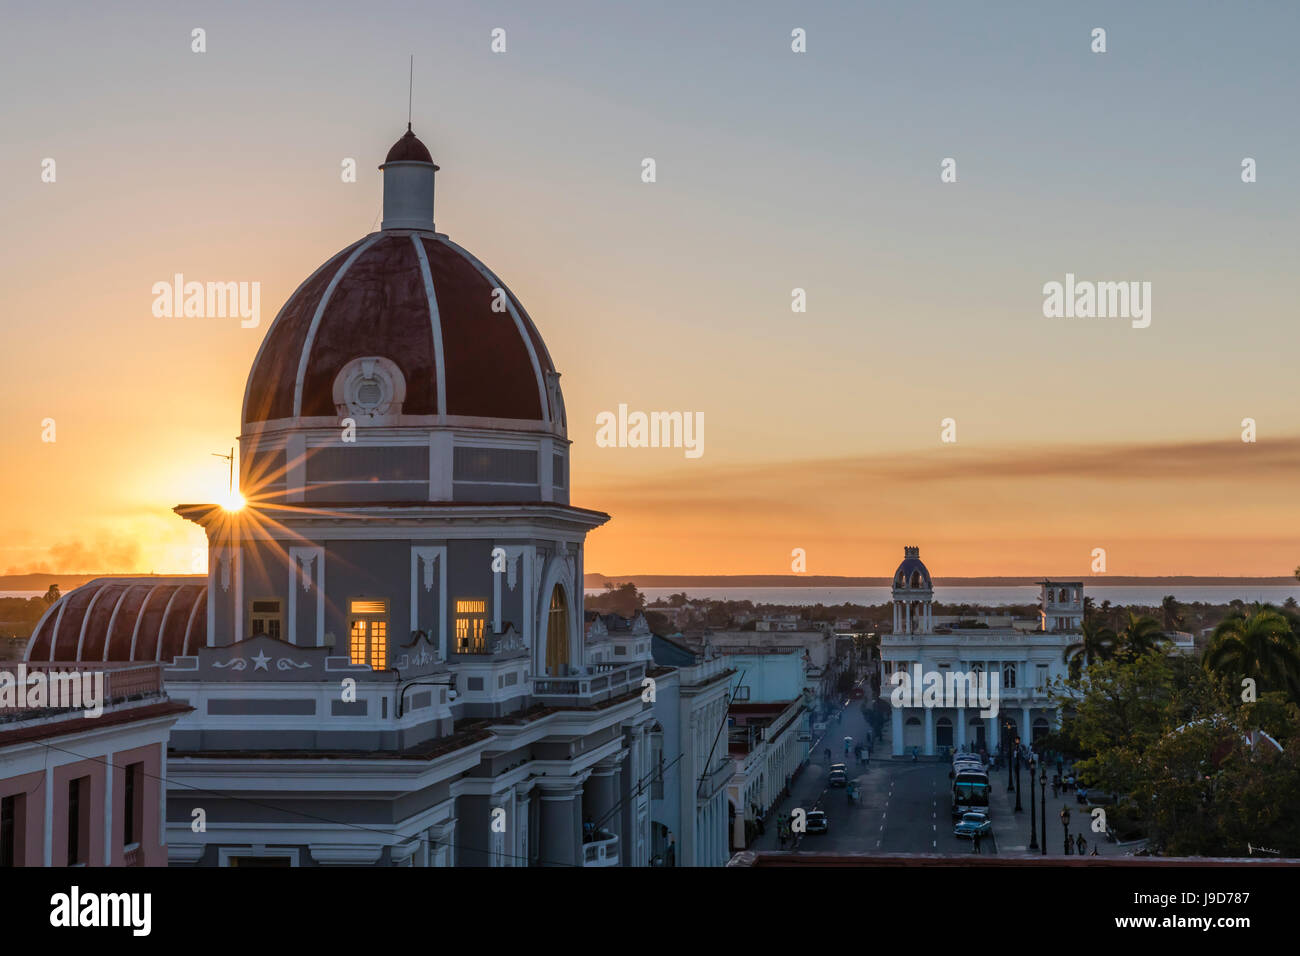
(817,822)
(971,823)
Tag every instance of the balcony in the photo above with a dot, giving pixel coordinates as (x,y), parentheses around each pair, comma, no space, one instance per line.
(717,778)
(588,687)
(1022,694)
(601,849)
(123,681)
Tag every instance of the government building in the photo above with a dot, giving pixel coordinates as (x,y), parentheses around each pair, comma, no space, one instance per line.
(387,662)
(1024,663)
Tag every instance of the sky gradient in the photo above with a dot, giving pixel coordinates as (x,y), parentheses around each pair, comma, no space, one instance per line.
(775,171)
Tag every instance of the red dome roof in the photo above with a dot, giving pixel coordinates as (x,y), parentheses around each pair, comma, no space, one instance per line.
(124,619)
(408,149)
(422,302)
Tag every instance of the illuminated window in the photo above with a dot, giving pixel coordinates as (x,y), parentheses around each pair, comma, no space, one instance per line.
(471,621)
(368,633)
(266,619)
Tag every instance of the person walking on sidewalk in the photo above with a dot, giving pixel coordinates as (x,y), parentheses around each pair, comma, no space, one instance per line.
(1081,843)
(975,842)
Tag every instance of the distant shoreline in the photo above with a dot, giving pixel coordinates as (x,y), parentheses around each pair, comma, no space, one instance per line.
(596,580)
(41,581)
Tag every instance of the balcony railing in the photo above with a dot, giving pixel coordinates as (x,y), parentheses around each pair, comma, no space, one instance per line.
(615,680)
(602,850)
(717,778)
(123,680)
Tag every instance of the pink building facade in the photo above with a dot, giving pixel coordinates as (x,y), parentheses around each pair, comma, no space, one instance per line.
(80,790)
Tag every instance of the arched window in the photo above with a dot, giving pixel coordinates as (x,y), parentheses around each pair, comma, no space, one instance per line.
(943,732)
(557,635)
(1008,675)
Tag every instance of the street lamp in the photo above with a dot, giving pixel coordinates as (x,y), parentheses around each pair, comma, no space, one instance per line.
(1011,784)
(1033,812)
(1065,823)
(1042,784)
(1019,808)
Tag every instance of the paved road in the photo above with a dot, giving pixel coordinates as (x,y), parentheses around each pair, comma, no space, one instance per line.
(905,806)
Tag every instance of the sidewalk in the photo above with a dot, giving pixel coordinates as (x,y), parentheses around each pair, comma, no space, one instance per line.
(1011,829)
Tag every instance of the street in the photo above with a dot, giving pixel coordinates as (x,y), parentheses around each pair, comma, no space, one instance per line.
(905,806)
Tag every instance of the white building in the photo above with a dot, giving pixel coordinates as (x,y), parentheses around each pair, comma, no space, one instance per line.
(1020,664)
(386,662)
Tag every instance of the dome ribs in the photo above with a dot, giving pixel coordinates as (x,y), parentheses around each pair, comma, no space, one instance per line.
(492,371)
(270,388)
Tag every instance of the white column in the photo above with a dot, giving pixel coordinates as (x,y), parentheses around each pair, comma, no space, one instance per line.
(897,728)
(1026,728)
(929,731)
(961,728)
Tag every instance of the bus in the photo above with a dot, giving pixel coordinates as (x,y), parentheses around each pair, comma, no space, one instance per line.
(970,791)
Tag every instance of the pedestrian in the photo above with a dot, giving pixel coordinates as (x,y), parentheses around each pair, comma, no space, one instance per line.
(975,842)
(1094,852)
(1081,843)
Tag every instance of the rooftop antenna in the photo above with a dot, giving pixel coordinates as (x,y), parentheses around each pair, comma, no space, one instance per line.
(230,458)
(410,93)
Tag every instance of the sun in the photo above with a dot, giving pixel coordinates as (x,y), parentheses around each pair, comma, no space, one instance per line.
(234,502)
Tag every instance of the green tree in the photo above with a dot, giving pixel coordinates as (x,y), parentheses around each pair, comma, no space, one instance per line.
(1260,644)
(52,595)
(1140,634)
(1173,619)
(1097,643)
(622,599)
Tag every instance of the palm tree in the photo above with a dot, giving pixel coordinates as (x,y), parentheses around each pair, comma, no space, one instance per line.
(1169,607)
(1259,644)
(1140,634)
(1098,644)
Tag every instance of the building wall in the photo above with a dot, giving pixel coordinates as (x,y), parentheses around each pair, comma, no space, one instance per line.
(666,809)
(29,788)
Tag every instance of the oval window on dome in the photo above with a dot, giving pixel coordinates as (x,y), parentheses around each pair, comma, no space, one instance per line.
(371,387)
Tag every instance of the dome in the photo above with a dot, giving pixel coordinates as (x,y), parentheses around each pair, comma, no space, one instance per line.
(407,328)
(912,573)
(463,344)
(408,149)
(124,619)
